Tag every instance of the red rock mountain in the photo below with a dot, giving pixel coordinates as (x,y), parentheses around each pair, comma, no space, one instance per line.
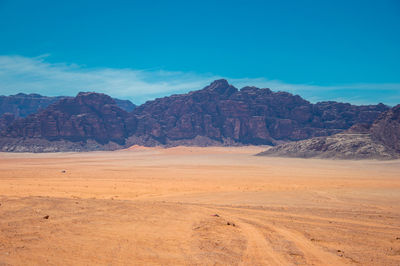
(87,116)
(248,116)
(218,114)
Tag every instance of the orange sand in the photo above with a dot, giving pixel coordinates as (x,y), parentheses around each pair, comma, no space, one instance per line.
(153,206)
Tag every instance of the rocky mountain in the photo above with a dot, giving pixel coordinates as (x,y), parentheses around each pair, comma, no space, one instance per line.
(222,113)
(22,105)
(381,140)
(88,116)
(219,114)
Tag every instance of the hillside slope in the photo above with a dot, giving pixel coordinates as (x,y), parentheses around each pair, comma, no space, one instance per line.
(381,140)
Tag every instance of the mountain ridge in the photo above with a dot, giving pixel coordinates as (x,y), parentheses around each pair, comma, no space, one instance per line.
(249,116)
(218,114)
(22,104)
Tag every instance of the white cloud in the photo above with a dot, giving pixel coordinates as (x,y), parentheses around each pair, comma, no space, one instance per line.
(36,75)
(22,74)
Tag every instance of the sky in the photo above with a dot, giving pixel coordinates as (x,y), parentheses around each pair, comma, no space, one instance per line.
(139,50)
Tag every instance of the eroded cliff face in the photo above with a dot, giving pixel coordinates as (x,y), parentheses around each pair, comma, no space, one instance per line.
(219,114)
(87,116)
(22,105)
(387,128)
(6,120)
(248,116)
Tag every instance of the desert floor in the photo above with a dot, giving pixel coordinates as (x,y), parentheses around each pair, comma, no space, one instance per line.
(196,206)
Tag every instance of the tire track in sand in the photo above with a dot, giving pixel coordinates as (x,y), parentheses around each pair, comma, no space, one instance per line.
(263,251)
(259,251)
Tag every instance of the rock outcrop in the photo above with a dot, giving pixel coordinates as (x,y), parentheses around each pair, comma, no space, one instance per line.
(338,146)
(381,140)
(386,129)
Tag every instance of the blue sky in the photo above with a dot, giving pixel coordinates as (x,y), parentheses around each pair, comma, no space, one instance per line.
(339,50)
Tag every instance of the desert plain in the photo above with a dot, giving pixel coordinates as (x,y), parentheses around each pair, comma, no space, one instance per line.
(197,206)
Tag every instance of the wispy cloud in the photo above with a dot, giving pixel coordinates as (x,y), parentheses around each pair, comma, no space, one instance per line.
(36,75)
(22,74)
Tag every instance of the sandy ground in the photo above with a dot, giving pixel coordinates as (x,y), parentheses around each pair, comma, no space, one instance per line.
(197,206)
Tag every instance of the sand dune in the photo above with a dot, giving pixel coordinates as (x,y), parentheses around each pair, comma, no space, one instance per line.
(152,206)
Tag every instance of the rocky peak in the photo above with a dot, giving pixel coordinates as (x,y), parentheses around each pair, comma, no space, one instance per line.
(381,107)
(222,87)
(96,100)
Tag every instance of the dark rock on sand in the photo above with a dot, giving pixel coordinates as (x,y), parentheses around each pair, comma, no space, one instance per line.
(381,140)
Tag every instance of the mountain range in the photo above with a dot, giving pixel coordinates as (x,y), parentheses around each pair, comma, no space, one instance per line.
(219,114)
